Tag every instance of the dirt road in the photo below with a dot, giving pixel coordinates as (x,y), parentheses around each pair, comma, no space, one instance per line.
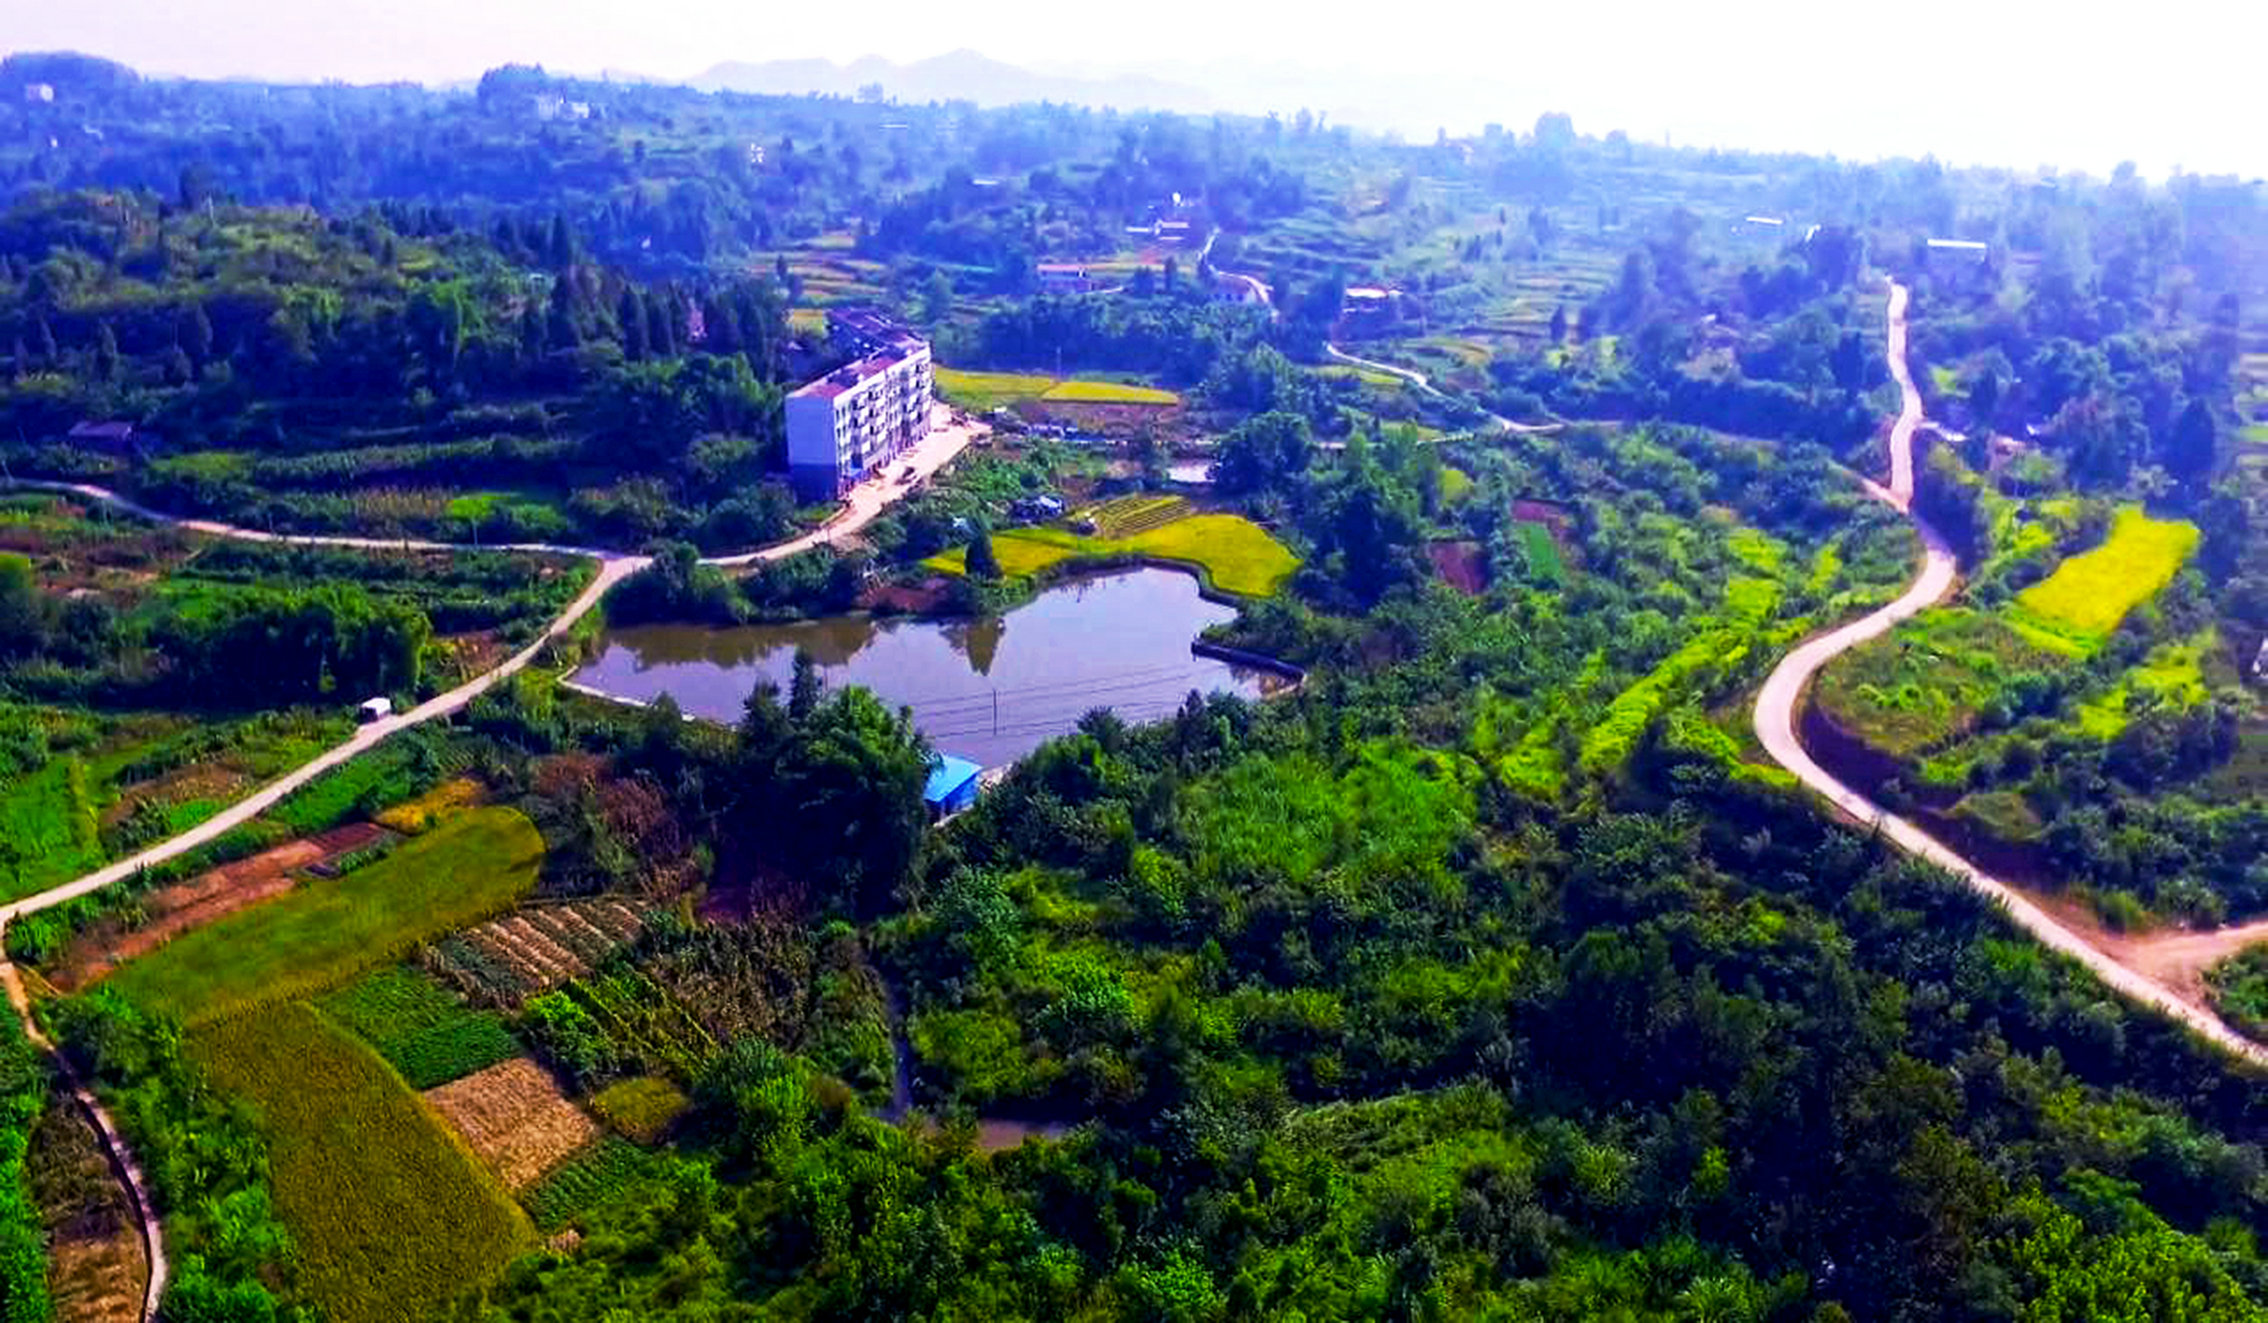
(1423,383)
(128,1171)
(1777,705)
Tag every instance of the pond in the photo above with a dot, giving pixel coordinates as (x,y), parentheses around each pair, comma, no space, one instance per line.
(989,690)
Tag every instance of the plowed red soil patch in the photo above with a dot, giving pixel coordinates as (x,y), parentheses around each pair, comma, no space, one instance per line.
(224,890)
(1460,565)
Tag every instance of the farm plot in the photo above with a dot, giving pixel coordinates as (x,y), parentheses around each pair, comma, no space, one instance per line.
(1235,554)
(422,1029)
(1129,515)
(2074,610)
(505,961)
(206,898)
(640,1109)
(598,1177)
(96,1267)
(109,785)
(326,932)
(390,1218)
(645,1023)
(992,390)
(515,1117)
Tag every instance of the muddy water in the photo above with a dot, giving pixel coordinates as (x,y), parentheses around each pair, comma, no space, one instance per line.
(988,690)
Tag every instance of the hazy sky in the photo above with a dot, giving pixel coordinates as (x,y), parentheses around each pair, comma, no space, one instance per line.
(2079,84)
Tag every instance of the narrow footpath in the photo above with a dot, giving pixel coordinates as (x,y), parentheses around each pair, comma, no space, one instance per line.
(1779,702)
(861,506)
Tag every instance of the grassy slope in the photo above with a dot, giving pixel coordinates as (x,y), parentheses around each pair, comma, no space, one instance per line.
(1922,684)
(328,931)
(391,1217)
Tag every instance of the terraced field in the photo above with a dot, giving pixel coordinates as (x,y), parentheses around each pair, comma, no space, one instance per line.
(1129,515)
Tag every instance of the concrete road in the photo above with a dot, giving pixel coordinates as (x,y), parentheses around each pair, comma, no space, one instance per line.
(1778,704)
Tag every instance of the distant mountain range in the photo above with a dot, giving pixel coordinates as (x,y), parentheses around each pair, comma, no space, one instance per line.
(962,75)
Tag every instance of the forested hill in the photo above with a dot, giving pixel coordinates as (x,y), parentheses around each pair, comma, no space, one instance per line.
(275,360)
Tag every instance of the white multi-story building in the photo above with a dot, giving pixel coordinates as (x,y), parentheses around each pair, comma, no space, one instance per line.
(851,422)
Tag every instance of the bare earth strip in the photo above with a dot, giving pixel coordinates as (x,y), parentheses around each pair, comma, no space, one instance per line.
(2154,981)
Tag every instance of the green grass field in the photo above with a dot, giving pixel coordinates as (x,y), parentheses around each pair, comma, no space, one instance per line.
(390,1216)
(1922,684)
(990,390)
(63,813)
(2173,674)
(326,932)
(1237,555)
(2074,610)
(422,1029)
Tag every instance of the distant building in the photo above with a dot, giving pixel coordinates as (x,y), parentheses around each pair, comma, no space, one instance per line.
(2260,663)
(39,93)
(377,709)
(848,424)
(1065,278)
(1366,305)
(1971,248)
(952,786)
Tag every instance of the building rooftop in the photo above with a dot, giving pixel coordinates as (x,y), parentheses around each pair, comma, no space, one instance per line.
(946,775)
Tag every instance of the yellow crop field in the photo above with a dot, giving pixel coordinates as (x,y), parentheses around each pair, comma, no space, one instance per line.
(2074,610)
(390,1217)
(1108,392)
(990,390)
(1237,555)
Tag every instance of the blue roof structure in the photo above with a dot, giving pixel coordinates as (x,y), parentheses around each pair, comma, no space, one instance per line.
(948,776)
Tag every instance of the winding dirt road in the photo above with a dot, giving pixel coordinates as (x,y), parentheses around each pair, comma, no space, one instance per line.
(1778,703)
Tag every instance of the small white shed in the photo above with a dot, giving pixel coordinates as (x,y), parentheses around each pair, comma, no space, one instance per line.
(377,709)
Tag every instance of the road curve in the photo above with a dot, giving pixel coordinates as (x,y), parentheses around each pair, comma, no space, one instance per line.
(864,503)
(1780,700)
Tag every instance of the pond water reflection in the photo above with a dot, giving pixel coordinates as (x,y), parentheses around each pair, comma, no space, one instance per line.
(989,690)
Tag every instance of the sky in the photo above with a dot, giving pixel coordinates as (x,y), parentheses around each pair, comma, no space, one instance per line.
(2080,84)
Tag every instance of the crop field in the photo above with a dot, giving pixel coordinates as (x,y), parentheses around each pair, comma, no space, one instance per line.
(1921,685)
(328,931)
(514,1116)
(421,1028)
(1108,392)
(361,1171)
(507,960)
(646,1024)
(602,1174)
(640,1109)
(1237,555)
(421,813)
(1129,515)
(110,785)
(2173,674)
(2074,610)
(991,390)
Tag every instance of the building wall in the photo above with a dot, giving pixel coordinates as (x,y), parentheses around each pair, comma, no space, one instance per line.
(835,441)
